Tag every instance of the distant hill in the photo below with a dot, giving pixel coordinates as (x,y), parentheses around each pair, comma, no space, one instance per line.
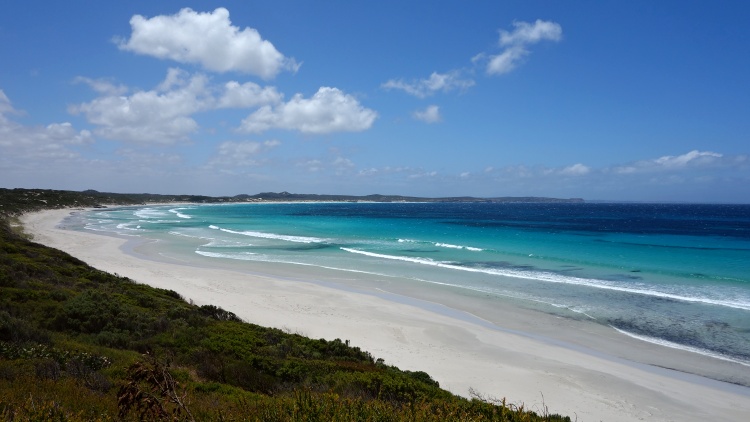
(14,201)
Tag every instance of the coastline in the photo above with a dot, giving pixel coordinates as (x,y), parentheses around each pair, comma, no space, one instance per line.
(521,361)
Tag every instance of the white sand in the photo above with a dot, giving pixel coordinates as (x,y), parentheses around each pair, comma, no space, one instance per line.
(457,352)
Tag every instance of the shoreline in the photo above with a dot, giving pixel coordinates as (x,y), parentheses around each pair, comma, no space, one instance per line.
(513,354)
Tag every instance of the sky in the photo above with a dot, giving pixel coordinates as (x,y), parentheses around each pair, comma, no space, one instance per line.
(634,100)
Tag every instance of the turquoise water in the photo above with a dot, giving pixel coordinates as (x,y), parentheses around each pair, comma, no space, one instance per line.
(678,275)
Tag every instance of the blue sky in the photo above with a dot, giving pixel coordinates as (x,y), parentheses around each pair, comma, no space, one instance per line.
(610,100)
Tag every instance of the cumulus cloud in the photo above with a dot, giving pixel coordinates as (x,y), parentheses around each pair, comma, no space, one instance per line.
(163,115)
(516,42)
(436,82)
(157,116)
(329,110)
(528,33)
(208,39)
(102,86)
(431,114)
(22,146)
(246,95)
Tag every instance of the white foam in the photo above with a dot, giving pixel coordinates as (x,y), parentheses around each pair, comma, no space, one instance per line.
(107,230)
(667,343)
(220,243)
(557,278)
(126,226)
(150,213)
(448,245)
(174,233)
(177,212)
(297,239)
(241,255)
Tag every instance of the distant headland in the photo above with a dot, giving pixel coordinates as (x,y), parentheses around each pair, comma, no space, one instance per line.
(13,200)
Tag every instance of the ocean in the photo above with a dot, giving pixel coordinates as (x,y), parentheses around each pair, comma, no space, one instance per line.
(677,275)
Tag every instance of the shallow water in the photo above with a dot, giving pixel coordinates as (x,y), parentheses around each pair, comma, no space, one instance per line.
(677,275)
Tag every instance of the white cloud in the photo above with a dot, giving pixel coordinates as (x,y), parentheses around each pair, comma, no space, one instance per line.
(431,114)
(506,61)
(436,82)
(157,116)
(102,86)
(342,166)
(575,170)
(248,95)
(30,146)
(163,115)
(5,106)
(337,165)
(342,162)
(700,175)
(516,43)
(207,38)
(423,174)
(527,33)
(329,110)
(240,154)
(312,165)
(692,159)
(148,159)
(687,166)
(395,173)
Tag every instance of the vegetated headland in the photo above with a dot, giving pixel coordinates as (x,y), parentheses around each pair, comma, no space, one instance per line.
(13,201)
(77,343)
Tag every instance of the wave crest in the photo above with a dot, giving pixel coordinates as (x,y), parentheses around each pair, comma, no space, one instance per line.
(288,238)
(558,278)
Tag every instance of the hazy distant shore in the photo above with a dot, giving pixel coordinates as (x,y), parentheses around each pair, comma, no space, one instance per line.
(512,353)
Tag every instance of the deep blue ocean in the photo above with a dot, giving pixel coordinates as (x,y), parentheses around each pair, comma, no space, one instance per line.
(673,274)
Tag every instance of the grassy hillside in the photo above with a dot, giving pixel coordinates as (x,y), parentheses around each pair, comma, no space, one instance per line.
(77,343)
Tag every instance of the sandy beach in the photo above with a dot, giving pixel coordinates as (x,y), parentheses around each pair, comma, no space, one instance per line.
(461,351)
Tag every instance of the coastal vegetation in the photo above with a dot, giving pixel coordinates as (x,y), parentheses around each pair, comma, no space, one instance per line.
(13,201)
(77,343)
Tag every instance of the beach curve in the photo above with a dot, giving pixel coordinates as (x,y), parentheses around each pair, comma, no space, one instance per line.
(458,352)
